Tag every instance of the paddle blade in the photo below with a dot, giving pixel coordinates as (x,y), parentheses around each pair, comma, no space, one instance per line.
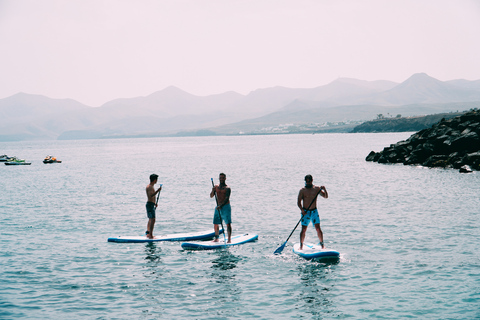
(280,249)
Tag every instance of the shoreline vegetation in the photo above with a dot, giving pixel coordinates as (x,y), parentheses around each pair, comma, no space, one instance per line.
(403,124)
(449,143)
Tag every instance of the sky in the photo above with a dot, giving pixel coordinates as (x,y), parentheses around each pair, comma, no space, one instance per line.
(94,51)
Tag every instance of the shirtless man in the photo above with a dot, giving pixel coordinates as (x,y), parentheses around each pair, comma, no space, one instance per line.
(151,205)
(305,197)
(223,211)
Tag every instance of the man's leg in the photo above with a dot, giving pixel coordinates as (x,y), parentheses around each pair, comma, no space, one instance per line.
(151,228)
(302,236)
(217,231)
(319,234)
(150,225)
(229,229)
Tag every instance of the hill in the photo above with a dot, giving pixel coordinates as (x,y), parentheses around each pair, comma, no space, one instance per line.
(341,105)
(403,124)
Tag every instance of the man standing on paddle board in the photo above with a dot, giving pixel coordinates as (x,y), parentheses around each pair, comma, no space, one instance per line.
(151,206)
(308,196)
(223,211)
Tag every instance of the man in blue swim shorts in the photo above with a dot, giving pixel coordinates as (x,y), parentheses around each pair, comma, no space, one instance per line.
(223,211)
(308,197)
(151,206)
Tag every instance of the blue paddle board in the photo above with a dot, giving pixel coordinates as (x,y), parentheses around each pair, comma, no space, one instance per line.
(209,245)
(190,236)
(315,251)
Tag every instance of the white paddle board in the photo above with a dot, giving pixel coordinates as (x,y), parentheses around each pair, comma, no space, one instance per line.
(209,245)
(189,236)
(315,251)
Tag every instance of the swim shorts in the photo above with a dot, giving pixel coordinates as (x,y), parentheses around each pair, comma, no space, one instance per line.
(150,210)
(226,213)
(310,215)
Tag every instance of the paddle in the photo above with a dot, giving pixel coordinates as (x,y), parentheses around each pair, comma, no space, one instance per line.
(158,195)
(219,214)
(280,249)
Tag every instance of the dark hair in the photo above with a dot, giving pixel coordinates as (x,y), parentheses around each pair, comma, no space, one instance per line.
(222,174)
(308,177)
(153,177)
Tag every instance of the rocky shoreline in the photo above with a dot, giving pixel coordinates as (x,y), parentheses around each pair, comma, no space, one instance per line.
(453,143)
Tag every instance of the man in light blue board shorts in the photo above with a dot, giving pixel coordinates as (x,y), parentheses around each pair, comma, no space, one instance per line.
(308,197)
(223,211)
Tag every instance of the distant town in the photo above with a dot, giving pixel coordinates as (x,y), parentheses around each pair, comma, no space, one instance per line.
(289,128)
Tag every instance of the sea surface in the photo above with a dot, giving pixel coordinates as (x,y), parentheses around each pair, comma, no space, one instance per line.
(408,236)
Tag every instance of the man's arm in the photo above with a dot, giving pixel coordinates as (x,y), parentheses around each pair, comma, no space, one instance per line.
(151,191)
(299,201)
(323,192)
(213,192)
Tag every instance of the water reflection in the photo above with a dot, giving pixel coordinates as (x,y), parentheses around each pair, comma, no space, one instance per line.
(223,290)
(223,269)
(316,286)
(152,256)
(225,260)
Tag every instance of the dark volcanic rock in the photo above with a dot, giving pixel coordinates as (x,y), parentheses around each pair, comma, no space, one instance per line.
(453,143)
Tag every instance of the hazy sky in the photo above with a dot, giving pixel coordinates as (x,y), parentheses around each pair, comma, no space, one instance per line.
(94,51)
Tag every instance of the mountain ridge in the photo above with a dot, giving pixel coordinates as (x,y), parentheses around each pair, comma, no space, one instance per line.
(172,110)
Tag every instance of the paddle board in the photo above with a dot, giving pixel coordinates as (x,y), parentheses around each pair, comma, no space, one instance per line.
(209,245)
(314,251)
(190,236)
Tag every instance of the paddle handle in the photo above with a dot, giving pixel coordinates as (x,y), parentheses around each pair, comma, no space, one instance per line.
(215,193)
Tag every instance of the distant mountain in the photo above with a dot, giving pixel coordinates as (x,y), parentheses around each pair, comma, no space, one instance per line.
(172,102)
(172,110)
(24,108)
(474,85)
(418,95)
(316,113)
(421,88)
(32,117)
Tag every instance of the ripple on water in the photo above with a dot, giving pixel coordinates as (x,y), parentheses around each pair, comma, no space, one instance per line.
(408,245)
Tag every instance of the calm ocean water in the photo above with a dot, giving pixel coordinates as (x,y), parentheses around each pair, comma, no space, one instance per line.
(408,236)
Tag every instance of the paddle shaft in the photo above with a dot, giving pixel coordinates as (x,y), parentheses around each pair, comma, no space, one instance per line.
(219,214)
(158,195)
(302,216)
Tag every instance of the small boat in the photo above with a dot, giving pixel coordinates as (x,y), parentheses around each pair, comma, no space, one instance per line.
(14,161)
(50,159)
(4,158)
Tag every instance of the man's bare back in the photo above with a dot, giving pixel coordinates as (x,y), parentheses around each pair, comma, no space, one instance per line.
(150,193)
(306,196)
